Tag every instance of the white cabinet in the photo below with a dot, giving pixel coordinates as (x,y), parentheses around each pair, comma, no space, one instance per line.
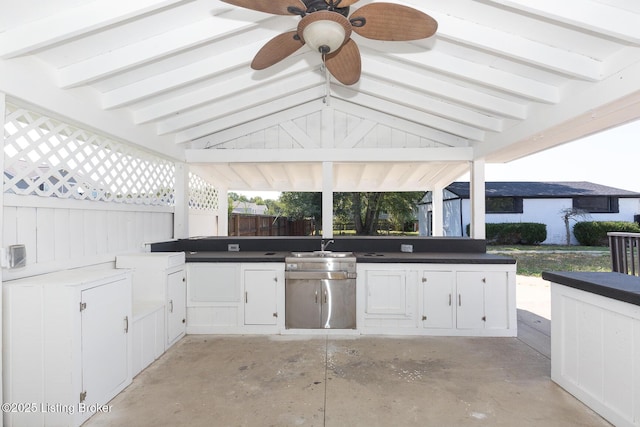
(148,335)
(260,297)
(482,300)
(390,298)
(213,297)
(437,299)
(66,342)
(176,305)
(438,294)
(235,297)
(387,293)
(159,278)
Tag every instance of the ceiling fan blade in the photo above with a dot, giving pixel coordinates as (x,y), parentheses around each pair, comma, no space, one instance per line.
(276,50)
(394,22)
(277,7)
(343,3)
(345,63)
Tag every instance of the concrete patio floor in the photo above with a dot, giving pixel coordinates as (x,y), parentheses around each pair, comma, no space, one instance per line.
(354,381)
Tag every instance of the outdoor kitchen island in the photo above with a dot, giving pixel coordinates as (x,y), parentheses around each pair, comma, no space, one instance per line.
(595,341)
(404,286)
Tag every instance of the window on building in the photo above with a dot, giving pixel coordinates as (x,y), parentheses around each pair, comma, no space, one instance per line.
(503,204)
(596,204)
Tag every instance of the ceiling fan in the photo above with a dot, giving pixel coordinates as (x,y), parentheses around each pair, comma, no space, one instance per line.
(326,27)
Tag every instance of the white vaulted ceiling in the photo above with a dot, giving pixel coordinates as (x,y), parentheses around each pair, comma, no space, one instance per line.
(500,79)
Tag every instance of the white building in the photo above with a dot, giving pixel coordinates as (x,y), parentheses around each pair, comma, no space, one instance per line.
(540,202)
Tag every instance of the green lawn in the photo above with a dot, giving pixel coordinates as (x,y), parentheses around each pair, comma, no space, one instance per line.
(533,260)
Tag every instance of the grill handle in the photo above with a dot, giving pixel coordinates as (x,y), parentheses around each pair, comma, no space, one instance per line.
(319,275)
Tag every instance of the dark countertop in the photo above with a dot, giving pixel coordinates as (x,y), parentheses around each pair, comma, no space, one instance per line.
(618,286)
(361,257)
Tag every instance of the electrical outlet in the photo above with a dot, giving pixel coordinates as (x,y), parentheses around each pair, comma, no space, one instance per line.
(233,247)
(406,248)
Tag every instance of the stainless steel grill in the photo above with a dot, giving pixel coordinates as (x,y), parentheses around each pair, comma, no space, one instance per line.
(320,290)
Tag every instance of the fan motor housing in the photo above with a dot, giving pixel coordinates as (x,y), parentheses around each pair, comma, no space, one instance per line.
(316,5)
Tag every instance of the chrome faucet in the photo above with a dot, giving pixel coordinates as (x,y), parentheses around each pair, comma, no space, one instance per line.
(324,245)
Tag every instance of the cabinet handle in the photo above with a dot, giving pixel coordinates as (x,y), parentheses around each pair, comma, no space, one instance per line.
(316,297)
(459,300)
(246,297)
(484,280)
(126,324)
(325,297)
(170,306)
(449,300)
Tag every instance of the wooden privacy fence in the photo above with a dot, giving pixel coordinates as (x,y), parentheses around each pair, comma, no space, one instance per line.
(625,252)
(265,225)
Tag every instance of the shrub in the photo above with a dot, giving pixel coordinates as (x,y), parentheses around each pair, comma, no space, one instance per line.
(594,233)
(513,233)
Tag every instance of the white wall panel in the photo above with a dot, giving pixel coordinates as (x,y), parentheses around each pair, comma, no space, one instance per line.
(75,233)
(64,234)
(9,226)
(45,235)
(62,247)
(26,231)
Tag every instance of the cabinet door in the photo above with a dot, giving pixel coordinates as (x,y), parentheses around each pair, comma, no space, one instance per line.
(213,282)
(260,297)
(105,351)
(470,300)
(496,300)
(386,292)
(437,299)
(176,305)
(302,304)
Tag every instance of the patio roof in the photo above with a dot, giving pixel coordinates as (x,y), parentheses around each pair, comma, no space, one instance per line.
(501,79)
(546,190)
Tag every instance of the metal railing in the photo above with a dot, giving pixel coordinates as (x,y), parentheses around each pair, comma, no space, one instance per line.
(625,252)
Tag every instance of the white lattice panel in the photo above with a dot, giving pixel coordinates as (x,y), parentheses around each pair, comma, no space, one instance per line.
(202,195)
(50,158)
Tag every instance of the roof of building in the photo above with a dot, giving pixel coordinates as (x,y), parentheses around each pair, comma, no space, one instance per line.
(536,189)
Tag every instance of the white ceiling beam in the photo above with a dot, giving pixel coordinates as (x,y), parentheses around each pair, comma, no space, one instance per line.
(412,114)
(172,79)
(148,50)
(375,66)
(243,80)
(611,21)
(75,22)
(365,155)
(513,46)
(480,74)
(249,114)
(428,104)
(225,134)
(242,100)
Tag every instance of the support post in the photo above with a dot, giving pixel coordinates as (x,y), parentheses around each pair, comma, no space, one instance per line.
(437,214)
(477,195)
(181,198)
(223,211)
(327,200)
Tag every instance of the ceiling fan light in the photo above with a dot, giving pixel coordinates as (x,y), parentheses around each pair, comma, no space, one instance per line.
(324,36)
(324,31)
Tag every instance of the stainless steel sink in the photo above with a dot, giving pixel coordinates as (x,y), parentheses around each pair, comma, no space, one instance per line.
(321,254)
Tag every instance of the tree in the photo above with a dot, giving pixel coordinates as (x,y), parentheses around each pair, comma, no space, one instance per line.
(365,208)
(296,205)
(572,214)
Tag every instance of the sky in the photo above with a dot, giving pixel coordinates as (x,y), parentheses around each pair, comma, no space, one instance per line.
(610,157)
